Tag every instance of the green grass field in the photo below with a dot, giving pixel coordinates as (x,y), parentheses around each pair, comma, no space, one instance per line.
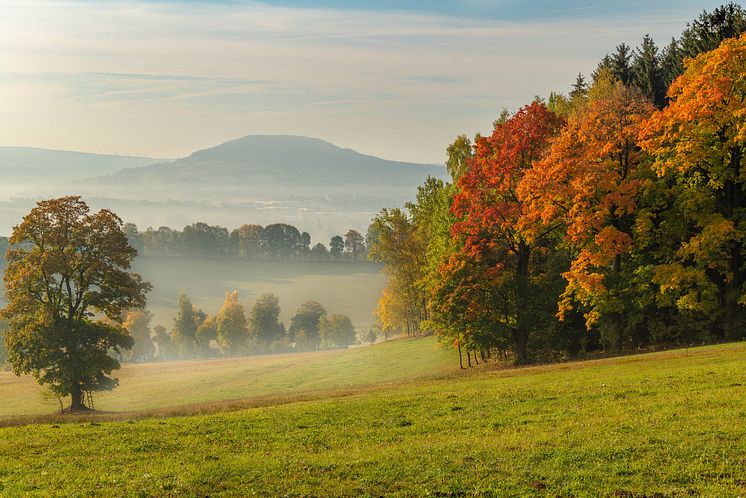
(151,386)
(660,424)
(352,289)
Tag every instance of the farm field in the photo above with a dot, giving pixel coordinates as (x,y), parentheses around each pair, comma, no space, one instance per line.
(351,289)
(147,386)
(660,424)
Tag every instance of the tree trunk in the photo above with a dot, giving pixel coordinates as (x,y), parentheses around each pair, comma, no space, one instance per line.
(520,337)
(520,333)
(468,357)
(460,358)
(76,399)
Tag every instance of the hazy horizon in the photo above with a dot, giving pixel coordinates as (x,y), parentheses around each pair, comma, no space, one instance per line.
(398,80)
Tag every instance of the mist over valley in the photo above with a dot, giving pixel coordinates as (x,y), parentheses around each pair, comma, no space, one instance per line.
(309,183)
(513,264)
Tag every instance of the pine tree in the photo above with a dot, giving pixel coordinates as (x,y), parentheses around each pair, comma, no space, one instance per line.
(647,75)
(621,66)
(579,88)
(603,65)
(671,63)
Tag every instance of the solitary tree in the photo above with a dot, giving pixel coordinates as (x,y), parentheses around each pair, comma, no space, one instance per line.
(67,285)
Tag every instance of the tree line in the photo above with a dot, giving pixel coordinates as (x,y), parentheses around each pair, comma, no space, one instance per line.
(75,309)
(609,218)
(234,332)
(278,241)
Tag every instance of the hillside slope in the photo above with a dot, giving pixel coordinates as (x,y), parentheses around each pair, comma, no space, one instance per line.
(148,386)
(662,424)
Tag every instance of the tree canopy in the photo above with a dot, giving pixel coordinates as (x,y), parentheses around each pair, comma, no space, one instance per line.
(68,284)
(620,207)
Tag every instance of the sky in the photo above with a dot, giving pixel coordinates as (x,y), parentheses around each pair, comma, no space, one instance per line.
(395,79)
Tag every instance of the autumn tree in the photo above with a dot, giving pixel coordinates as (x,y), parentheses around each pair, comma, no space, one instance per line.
(137,323)
(489,213)
(399,247)
(231,324)
(185,327)
(590,182)
(67,284)
(699,146)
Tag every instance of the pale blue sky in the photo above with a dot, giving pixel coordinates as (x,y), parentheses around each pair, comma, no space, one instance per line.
(394,79)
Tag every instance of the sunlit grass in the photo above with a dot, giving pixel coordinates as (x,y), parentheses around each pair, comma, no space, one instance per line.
(163,385)
(662,424)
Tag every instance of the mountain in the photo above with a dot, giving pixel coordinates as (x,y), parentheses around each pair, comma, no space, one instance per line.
(281,161)
(20,165)
(310,183)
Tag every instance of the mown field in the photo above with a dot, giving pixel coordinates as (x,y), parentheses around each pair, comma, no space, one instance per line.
(662,424)
(352,289)
(152,386)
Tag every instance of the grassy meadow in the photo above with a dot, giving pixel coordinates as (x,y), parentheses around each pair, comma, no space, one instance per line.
(660,424)
(271,378)
(351,289)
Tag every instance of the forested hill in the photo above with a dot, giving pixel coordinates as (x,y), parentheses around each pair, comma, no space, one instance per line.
(269,160)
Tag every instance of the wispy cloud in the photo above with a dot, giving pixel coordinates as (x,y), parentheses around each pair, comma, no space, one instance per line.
(166,77)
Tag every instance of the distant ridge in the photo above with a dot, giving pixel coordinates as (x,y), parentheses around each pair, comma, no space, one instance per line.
(307,182)
(283,159)
(21,164)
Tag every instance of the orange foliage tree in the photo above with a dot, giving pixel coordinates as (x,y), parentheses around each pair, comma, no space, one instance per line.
(698,144)
(590,181)
(489,214)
